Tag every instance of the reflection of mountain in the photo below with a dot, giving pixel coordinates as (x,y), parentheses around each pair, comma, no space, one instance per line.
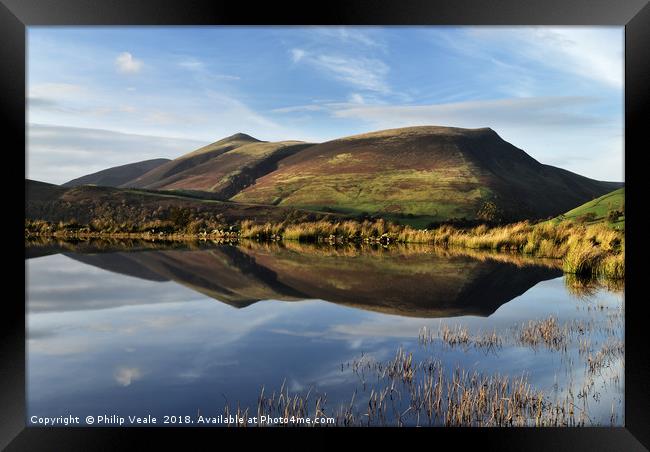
(396,282)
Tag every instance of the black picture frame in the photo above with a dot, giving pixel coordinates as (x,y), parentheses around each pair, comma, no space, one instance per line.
(16,15)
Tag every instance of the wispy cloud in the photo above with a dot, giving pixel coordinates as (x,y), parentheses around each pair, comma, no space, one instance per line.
(202,70)
(192,64)
(540,111)
(57,154)
(349,36)
(591,53)
(358,72)
(127,64)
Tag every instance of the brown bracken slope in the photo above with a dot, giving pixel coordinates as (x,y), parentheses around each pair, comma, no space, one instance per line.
(222,168)
(437,172)
(117,175)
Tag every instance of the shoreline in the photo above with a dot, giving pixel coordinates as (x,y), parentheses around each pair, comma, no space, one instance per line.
(584,250)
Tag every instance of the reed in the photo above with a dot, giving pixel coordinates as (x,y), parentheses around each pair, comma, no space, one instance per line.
(584,250)
(404,391)
(594,250)
(544,332)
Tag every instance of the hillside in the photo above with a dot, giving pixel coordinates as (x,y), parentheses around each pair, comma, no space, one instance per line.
(415,175)
(222,168)
(599,210)
(88,203)
(117,175)
(434,173)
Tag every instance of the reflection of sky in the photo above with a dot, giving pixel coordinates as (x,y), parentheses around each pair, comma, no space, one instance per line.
(100,342)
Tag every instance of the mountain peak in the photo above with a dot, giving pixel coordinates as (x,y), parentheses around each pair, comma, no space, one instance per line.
(240,137)
(421,131)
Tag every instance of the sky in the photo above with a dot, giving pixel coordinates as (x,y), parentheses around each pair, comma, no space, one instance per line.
(104,96)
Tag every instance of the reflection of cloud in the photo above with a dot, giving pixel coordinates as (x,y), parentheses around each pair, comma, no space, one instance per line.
(165,321)
(124,376)
(57,347)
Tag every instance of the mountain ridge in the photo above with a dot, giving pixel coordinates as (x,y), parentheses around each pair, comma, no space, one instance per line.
(427,173)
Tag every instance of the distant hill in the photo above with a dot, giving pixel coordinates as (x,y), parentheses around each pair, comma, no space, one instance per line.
(437,173)
(42,191)
(599,210)
(117,175)
(222,168)
(86,203)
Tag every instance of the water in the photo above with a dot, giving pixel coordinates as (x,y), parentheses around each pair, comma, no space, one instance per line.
(178,332)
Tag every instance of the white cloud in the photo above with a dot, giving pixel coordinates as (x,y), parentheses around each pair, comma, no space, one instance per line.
(127,64)
(297,54)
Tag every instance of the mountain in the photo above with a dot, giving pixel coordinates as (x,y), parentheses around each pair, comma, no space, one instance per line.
(117,175)
(222,168)
(417,175)
(433,172)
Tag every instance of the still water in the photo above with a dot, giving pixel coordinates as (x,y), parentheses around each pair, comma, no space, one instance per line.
(154,331)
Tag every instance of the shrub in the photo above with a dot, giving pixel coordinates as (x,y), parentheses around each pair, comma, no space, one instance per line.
(612,215)
(586,217)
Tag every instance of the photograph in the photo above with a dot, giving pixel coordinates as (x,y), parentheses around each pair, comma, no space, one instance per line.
(338,226)
(415,218)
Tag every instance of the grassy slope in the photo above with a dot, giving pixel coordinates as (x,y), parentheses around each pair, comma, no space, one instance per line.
(232,171)
(355,176)
(117,175)
(223,168)
(431,173)
(170,171)
(600,207)
(86,203)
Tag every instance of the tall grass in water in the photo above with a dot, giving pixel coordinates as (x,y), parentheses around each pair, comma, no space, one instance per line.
(585,250)
(425,392)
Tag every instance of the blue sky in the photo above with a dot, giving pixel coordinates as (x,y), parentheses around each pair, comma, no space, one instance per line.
(105,96)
